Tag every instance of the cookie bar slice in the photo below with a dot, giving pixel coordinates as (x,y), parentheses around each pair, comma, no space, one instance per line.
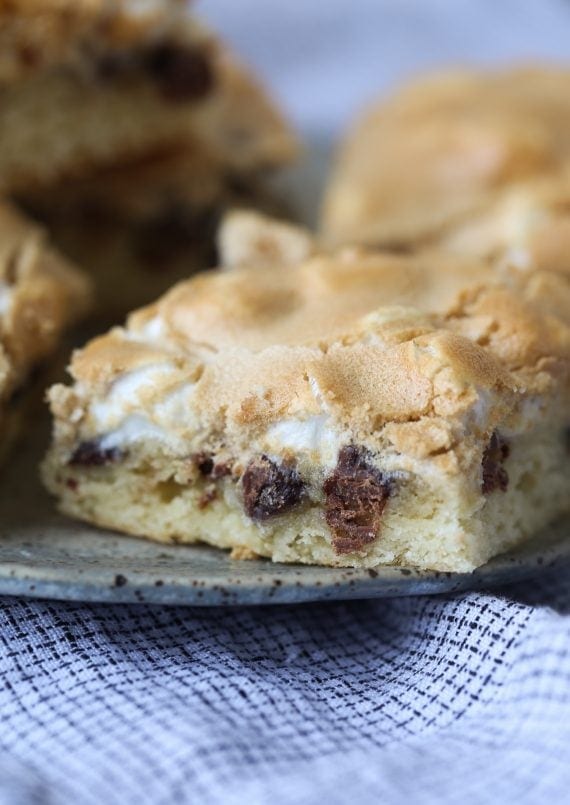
(474,162)
(355,409)
(40,296)
(88,83)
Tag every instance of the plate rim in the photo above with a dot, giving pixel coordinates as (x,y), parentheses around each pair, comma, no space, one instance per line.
(274,583)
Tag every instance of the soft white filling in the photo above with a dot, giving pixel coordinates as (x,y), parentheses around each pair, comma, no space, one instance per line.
(124,395)
(154,329)
(313,435)
(137,428)
(125,417)
(521,216)
(531,411)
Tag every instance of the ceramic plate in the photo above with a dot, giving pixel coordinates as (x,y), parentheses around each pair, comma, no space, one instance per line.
(45,555)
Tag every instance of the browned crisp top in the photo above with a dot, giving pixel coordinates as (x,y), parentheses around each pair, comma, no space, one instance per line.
(445,149)
(370,338)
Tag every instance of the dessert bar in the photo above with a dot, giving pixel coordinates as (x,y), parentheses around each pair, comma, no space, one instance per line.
(353,408)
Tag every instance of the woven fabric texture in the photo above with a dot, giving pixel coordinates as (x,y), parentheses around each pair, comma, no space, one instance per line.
(425,700)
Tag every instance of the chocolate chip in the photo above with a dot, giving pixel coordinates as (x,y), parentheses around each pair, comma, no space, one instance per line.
(270,488)
(356,495)
(210,469)
(494,475)
(204,463)
(92,454)
(182,73)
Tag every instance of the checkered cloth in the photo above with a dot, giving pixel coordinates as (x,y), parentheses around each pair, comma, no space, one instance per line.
(423,700)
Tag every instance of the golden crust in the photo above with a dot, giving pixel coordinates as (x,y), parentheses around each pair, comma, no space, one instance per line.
(371,339)
(247,239)
(41,293)
(316,302)
(475,162)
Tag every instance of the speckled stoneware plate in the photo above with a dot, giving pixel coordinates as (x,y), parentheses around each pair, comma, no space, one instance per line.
(45,555)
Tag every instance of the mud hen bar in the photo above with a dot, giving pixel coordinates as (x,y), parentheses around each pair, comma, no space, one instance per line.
(472,162)
(351,409)
(41,295)
(89,83)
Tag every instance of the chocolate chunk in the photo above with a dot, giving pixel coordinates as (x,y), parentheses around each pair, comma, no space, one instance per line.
(182,73)
(91,454)
(356,495)
(270,488)
(494,475)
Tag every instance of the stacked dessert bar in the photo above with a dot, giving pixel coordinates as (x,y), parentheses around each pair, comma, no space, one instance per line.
(127,128)
(41,295)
